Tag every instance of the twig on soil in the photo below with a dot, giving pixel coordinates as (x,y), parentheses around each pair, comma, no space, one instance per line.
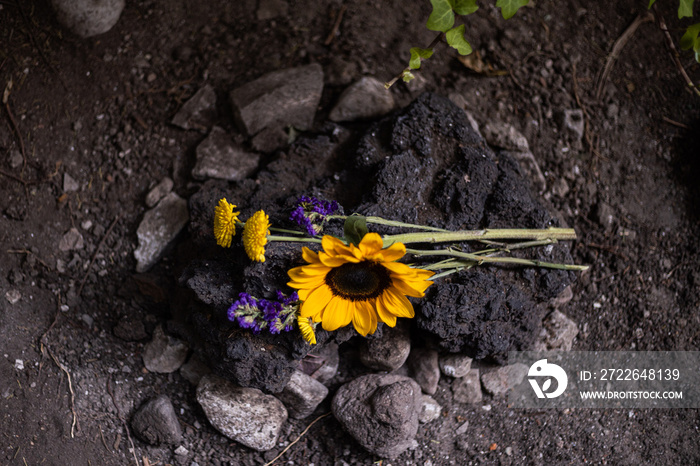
(28,252)
(94,255)
(104,442)
(674,123)
(586,115)
(45,349)
(121,418)
(673,51)
(297,439)
(617,48)
(336,25)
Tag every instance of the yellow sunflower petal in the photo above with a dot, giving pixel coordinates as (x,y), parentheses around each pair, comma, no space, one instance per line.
(394,252)
(384,314)
(398,268)
(315,300)
(409,290)
(309,255)
(371,244)
(338,313)
(364,319)
(335,261)
(396,303)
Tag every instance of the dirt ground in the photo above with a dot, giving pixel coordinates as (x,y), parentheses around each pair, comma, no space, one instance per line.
(99,109)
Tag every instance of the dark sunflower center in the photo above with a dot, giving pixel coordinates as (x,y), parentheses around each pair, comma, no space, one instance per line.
(358,282)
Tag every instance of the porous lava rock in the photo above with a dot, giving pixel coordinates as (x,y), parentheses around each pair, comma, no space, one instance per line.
(456,182)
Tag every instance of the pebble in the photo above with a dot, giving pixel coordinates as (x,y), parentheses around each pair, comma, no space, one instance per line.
(423,364)
(467,389)
(16,159)
(505,136)
(281,98)
(164,354)
(558,333)
(159,191)
(245,415)
(13,296)
(219,157)
(71,240)
(455,365)
(159,227)
(69,183)
(429,409)
(380,411)
(156,422)
(302,395)
(88,18)
(19,364)
(86,225)
(389,352)
(499,381)
(364,100)
(199,112)
(572,120)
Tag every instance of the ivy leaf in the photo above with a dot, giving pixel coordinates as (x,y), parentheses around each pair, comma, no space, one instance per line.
(442,18)
(651,2)
(417,54)
(685,8)
(464,7)
(355,228)
(510,7)
(455,37)
(407,76)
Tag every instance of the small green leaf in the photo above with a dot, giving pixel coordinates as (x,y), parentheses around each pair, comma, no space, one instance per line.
(355,228)
(685,8)
(418,54)
(690,37)
(442,18)
(407,76)
(510,7)
(464,7)
(455,37)
(696,49)
(651,2)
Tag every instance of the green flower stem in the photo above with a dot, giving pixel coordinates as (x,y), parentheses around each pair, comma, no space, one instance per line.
(291,232)
(475,235)
(390,223)
(293,239)
(480,259)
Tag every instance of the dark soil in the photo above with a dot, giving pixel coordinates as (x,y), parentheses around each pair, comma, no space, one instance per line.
(99,109)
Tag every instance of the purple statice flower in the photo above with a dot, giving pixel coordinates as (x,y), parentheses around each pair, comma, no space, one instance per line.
(310,213)
(259,314)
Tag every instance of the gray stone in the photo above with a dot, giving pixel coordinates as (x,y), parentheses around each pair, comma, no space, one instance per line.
(380,411)
(72,240)
(499,381)
(159,191)
(15,158)
(389,352)
(69,183)
(423,364)
(563,298)
(558,333)
(88,18)
(364,100)
(467,389)
(560,187)
(156,423)
(531,168)
(219,157)
(245,415)
(573,121)
(322,363)
(605,215)
(505,136)
(164,354)
(130,328)
(269,9)
(194,369)
(13,296)
(302,395)
(429,409)
(158,228)
(455,365)
(279,99)
(269,139)
(199,112)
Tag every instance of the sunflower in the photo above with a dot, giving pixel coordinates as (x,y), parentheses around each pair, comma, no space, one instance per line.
(225,223)
(360,284)
(306,329)
(255,235)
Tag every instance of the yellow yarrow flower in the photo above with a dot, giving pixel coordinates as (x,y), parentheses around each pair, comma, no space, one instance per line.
(307,331)
(255,235)
(225,223)
(360,284)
